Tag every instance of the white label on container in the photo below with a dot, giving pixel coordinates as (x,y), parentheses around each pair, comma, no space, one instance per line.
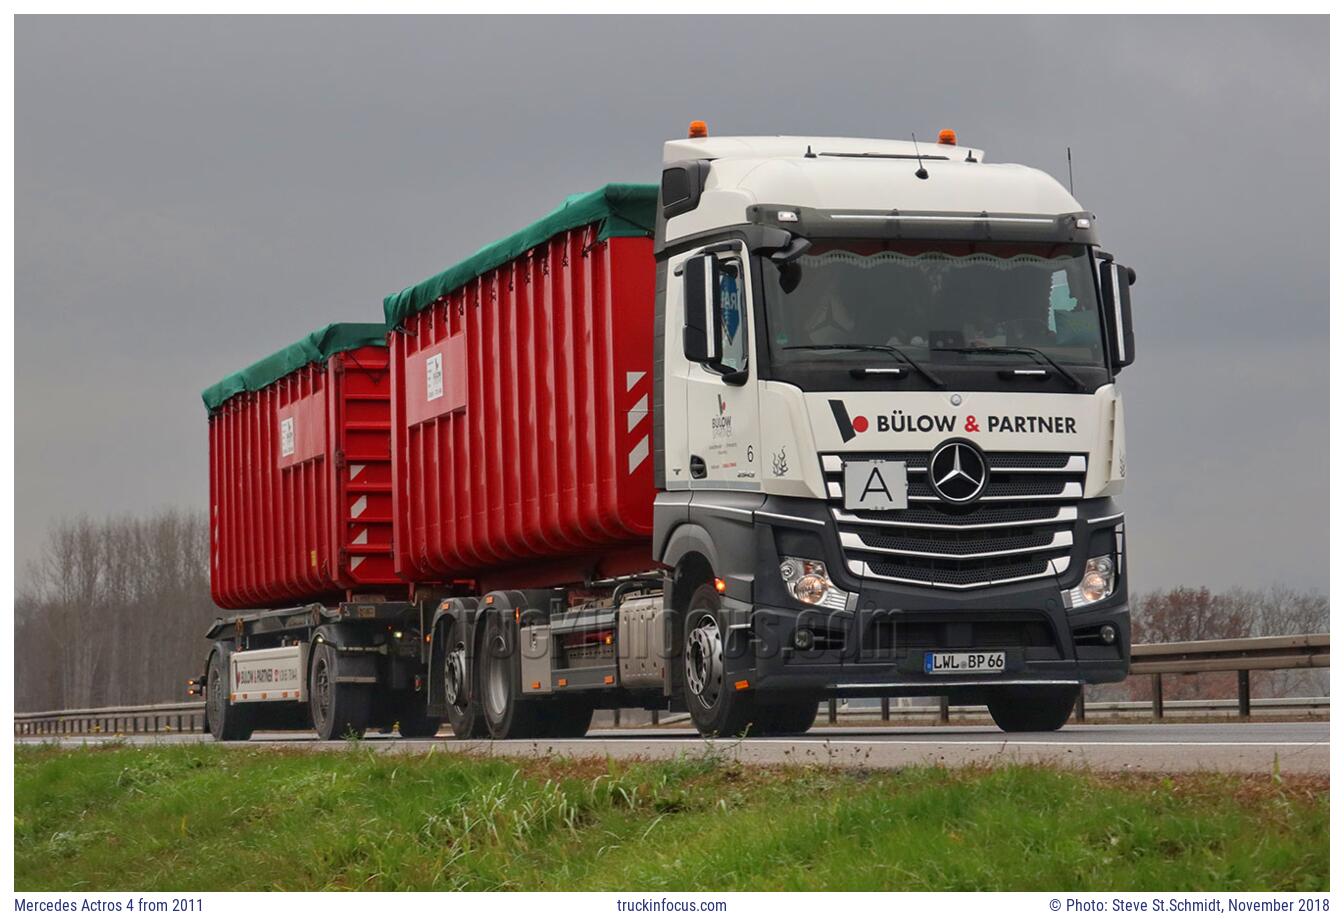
(434,376)
(286,436)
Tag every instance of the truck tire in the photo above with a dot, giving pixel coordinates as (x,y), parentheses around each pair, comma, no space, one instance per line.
(418,726)
(1032,709)
(716,709)
(788,715)
(565,719)
(339,710)
(464,707)
(227,721)
(506,716)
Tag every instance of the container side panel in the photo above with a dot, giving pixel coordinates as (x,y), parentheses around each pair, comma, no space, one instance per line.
(535,462)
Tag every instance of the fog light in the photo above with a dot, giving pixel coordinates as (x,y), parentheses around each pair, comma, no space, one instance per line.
(1098,583)
(803,639)
(1107,634)
(807,581)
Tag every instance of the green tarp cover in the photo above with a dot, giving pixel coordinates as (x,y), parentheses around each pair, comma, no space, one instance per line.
(316,346)
(623,210)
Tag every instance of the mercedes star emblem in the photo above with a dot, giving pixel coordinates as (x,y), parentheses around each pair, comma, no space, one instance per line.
(958,472)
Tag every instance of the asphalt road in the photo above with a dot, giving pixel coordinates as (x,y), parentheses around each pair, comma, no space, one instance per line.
(1300,747)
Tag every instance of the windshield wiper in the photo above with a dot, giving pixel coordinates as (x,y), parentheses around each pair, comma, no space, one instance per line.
(1035,353)
(889,349)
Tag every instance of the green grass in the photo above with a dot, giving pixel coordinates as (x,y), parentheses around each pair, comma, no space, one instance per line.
(197,817)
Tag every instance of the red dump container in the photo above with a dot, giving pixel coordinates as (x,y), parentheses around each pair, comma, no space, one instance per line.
(300,474)
(522,390)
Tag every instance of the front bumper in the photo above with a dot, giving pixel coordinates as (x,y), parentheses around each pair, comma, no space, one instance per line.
(877,647)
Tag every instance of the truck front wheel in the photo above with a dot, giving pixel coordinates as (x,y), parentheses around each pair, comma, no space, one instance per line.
(717,708)
(228,722)
(788,715)
(1031,709)
(339,709)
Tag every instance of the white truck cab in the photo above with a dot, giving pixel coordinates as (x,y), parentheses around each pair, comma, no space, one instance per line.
(889,427)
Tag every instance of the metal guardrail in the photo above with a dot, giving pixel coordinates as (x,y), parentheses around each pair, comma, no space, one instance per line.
(113,720)
(1264,653)
(1261,653)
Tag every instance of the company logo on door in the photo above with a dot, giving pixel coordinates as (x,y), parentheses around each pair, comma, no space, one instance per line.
(899,422)
(721,426)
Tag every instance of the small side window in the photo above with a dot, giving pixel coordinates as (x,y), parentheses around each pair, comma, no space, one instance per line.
(732,295)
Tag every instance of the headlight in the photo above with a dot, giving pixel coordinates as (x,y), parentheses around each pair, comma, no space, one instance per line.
(1098,583)
(807,581)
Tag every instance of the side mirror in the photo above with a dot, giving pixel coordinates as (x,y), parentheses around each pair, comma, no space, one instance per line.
(704,310)
(1116,280)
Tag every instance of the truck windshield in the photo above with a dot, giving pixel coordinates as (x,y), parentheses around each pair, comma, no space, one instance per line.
(934,301)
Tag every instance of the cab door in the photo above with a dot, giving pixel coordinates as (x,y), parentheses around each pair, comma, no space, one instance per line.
(722,411)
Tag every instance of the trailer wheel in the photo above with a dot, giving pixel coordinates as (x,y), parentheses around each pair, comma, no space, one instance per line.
(717,709)
(339,710)
(464,712)
(787,715)
(418,726)
(227,721)
(506,716)
(1032,709)
(565,719)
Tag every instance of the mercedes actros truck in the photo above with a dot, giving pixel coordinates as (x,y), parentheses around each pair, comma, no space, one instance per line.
(812,417)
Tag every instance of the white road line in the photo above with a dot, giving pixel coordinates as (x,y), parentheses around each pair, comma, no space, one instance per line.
(719,742)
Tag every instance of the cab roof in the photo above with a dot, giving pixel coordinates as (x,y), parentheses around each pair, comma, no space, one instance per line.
(856,173)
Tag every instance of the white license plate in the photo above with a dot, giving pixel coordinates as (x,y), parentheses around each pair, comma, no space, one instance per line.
(875,485)
(963,662)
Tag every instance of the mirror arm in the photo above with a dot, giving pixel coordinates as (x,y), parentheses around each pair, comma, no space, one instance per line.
(796,248)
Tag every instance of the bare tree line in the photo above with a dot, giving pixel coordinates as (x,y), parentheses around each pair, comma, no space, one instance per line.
(1184,614)
(114,613)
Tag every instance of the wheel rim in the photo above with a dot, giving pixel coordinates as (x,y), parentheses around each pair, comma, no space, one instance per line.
(497,686)
(454,677)
(704,661)
(322,690)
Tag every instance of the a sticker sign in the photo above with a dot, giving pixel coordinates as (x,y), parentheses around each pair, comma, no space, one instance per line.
(434,376)
(287,436)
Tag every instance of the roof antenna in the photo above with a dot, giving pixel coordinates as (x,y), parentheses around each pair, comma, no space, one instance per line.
(1070,154)
(920,173)
(809,155)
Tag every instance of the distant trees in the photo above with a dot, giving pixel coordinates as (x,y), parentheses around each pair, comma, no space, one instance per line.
(1182,614)
(114,612)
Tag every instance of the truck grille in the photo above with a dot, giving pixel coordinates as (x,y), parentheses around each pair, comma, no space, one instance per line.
(1019,529)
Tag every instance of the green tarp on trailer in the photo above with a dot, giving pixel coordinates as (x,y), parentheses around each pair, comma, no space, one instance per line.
(622,210)
(316,346)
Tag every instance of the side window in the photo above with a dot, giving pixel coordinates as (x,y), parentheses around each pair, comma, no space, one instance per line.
(1072,325)
(733,297)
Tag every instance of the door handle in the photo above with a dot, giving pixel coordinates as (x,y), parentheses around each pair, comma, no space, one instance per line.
(698,470)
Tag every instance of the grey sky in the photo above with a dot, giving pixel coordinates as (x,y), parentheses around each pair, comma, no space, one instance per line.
(194,193)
